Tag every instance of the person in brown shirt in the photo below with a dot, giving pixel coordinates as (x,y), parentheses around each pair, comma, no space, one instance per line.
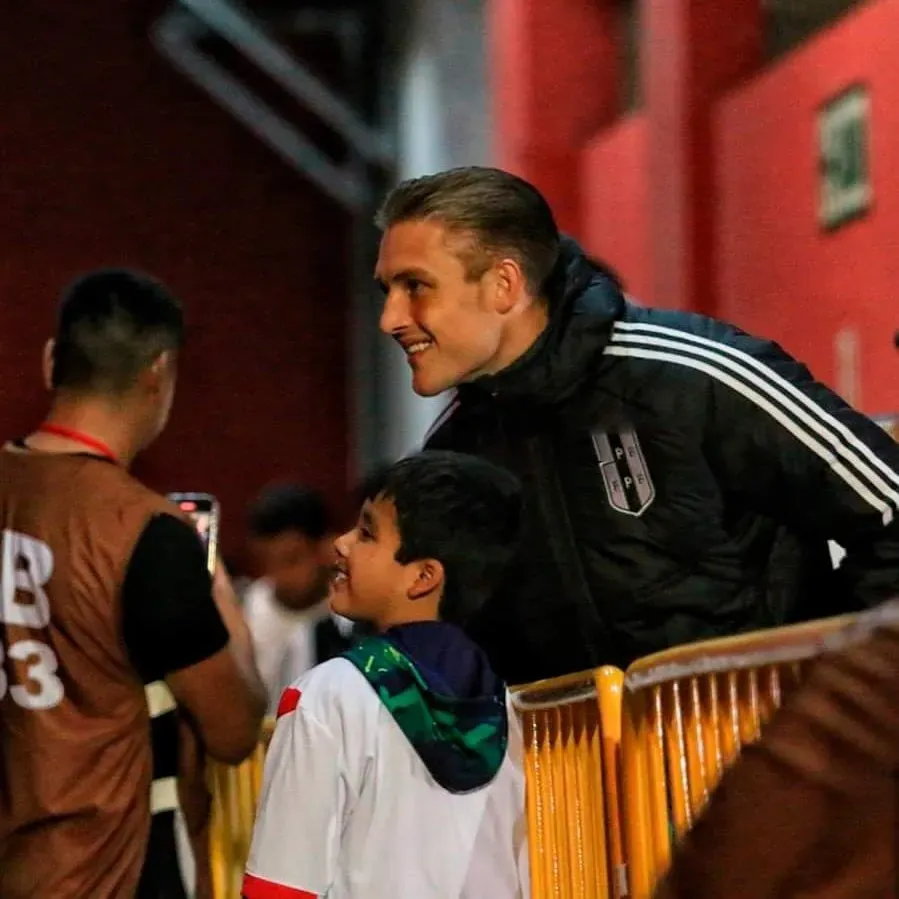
(115,645)
(811,811)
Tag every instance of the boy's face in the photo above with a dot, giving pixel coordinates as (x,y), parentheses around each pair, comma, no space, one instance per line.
(370,584)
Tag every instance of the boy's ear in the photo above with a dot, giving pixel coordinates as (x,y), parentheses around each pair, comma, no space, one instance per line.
(428,579)
(153,375)
(47,363)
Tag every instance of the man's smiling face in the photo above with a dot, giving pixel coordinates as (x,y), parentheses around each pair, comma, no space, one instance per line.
(441,314)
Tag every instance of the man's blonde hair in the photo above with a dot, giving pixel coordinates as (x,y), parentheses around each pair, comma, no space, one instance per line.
(492,212)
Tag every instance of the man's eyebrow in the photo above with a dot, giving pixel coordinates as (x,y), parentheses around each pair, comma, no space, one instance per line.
(406,274)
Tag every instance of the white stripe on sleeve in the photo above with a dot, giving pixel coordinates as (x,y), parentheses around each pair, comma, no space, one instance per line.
(741,373)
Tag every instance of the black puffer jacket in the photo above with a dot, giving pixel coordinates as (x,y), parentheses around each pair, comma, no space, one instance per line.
(683,479)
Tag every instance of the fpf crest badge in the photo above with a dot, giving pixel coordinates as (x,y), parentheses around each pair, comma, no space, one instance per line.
(628,484)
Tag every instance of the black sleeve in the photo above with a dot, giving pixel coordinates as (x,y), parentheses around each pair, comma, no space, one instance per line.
(169,618)
(800,453)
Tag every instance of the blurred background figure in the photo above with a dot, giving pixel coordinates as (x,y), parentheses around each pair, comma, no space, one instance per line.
(291,545)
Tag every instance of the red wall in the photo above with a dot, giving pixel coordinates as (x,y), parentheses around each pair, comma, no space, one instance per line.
(780,275)
(553,68)
(722,194)
(614,202)
(108,157)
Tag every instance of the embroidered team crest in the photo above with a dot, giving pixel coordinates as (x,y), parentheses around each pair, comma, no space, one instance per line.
(624,472)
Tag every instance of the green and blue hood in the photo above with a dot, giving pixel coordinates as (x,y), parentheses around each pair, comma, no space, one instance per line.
(441,691)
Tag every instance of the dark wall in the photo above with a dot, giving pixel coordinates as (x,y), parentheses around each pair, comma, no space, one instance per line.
(109,157)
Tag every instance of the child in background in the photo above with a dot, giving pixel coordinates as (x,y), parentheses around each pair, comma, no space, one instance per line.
(395,770)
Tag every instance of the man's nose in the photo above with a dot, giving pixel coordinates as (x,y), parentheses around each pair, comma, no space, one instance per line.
(395,314)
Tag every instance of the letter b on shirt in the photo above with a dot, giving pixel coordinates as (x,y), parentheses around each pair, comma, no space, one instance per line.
(26,565)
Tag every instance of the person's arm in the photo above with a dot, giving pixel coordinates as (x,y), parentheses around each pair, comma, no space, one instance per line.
(241,640)
(224,693)
(179,629)
(791,448)
(296,838)
(782,795)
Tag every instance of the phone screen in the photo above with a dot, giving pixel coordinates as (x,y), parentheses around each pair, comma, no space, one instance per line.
(203,509)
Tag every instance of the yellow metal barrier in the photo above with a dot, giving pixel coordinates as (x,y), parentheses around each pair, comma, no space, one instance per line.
(235,793)
(572,735)
(686,714)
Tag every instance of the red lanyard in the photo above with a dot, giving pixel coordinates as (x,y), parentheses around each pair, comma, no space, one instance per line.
(79,437)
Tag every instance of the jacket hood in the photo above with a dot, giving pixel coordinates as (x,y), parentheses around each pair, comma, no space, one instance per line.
(584,303)
(440,689)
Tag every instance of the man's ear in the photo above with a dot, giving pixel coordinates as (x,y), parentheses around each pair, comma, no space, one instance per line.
(47,363)
(153,376)
(429,577)
(509,285)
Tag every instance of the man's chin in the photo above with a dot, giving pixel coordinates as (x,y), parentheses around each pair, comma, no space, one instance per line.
(427,387)
(300,603)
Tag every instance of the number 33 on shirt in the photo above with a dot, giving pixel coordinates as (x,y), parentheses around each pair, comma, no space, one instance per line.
(27,665)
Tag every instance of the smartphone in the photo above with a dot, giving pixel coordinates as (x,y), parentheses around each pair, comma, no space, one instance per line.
(204,510)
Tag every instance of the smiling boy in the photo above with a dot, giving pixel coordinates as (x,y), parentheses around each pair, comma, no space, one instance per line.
(395,770)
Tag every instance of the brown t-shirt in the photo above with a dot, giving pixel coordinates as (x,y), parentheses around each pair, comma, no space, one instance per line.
(811,811)
(103,591)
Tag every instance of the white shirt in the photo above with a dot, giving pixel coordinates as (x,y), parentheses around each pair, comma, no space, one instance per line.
(349,811)
(283,640)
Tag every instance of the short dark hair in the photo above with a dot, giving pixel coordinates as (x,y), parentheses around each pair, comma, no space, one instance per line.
(289,507)
(462,511)
(499,213)
(113,324)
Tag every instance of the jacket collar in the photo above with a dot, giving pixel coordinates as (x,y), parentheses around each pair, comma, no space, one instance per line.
(584,304)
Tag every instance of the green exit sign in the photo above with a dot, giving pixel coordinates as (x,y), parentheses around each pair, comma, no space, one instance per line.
(844,147)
